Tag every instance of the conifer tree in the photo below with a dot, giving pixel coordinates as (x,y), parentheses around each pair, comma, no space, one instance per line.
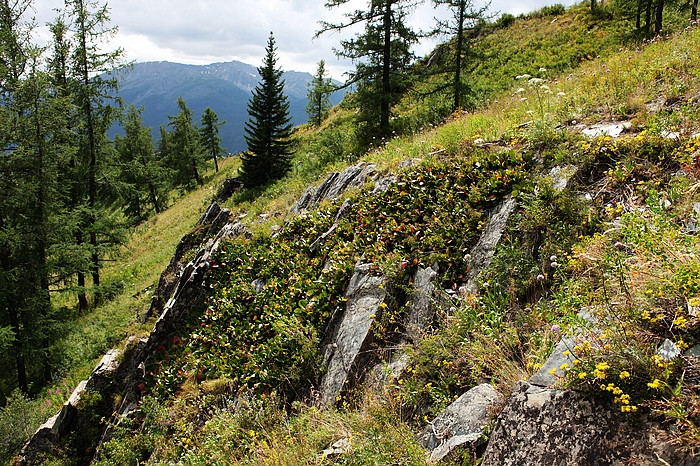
(269,129)
(319,100)
(142,178)
(209,133)
(180,148)
(383,55)
(89,68)
(465,18)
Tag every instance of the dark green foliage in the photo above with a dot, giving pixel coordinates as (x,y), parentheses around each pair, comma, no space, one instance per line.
(268,130)
(180,149)
(505,20)
(209,133)
(143,180)
(267,339)
(319,100)
(90,84)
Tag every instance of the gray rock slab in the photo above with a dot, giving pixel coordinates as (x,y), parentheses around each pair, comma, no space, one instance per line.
(420,309)
(611,129)
(365,294)
(543,377)
(482,253)
(461,423)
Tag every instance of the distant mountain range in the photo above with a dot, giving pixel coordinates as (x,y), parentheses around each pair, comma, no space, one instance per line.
(225,87)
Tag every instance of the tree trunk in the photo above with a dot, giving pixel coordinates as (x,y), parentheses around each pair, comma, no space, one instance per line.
(458,59)
(44,300)
(694,11)
(638,22)
(386,71)
(647,18)
(658,18)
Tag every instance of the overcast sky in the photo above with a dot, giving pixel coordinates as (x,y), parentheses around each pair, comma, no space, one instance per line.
(207,31)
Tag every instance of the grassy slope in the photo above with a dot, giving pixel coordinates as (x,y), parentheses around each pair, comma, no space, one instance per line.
(634,77)
(640,307)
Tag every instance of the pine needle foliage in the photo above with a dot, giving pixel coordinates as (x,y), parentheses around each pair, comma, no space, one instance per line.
(269,128)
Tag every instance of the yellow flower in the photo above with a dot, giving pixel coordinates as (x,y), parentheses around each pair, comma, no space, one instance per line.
(582,375)
(553,371)
(655,384)
(624,375)
(564,366)
(602,366)
(566,353)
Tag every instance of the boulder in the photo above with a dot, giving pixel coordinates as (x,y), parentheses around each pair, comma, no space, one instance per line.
(564,427)
(352,337)
(461,423)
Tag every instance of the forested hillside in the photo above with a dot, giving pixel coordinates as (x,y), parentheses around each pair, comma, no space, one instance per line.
(527,224)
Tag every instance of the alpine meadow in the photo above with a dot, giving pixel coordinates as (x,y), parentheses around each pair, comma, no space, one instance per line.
(487,255)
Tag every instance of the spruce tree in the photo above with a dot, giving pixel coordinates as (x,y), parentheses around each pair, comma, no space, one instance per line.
(142,179)
(90,69)
(269,129)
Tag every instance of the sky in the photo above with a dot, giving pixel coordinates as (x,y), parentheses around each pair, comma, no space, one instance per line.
(208,31)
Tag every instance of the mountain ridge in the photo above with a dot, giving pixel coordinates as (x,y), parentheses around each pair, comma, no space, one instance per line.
(224,86)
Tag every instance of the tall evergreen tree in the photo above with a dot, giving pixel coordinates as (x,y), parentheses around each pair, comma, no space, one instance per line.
(90,68)
(269,129)
(32,122)
(465,18)
(209,133)
(142,180)
(383,55)
(180,148)
(319,96)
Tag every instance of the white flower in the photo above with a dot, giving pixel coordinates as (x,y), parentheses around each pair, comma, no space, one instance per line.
(535,81)
(561,94)
(543,70)
(523,76)
(520,90)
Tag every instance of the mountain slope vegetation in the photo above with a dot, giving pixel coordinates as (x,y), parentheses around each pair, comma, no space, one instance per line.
(237,385)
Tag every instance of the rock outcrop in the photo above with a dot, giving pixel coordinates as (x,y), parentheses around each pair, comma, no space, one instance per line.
(482,253)
(351,337)
(564,427)
(334,185)
(462,423)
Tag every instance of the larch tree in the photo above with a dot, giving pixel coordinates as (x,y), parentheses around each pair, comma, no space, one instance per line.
(319,96)
(382,53)
(209,134)
(180,148)
(93,85)
(142,179)
(466,17)
(268,130)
